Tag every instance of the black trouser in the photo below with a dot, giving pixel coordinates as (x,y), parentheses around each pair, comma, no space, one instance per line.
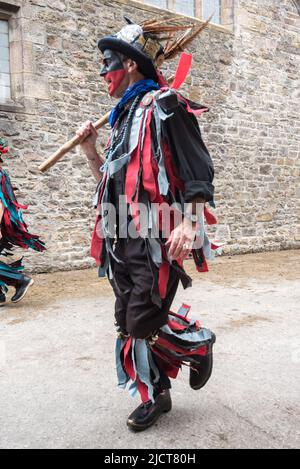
(134,283)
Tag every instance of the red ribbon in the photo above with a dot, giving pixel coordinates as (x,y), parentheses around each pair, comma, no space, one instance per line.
(184,66)
(209,217)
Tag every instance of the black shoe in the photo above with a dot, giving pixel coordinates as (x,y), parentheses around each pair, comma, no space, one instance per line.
(21,289)
(200,374)
(2,298)
(148,413)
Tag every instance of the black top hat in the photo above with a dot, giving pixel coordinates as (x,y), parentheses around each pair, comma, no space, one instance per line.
(143,43)
(131,41)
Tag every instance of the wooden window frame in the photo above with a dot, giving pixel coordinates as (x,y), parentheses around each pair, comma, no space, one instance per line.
(4,18)
(226,13)
(27,84)
(9,11)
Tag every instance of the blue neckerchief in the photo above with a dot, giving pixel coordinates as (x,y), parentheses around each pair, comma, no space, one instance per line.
(142,86)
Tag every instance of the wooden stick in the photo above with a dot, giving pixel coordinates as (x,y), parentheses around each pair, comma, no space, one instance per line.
(71,144)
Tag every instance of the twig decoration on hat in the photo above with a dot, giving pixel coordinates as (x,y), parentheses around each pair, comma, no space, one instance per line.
(153,41)
(175,45)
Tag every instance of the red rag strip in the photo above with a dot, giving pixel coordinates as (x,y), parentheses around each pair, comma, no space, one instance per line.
(164,272)
(96,243)
(186,308)
(198,325)
(170,366)
(175,326)
(135,214)
(187,321)
(133,171)
(209,217)
(204,267)
(149,181)
(128,365)
(162,82)
(129,369)
(19,206)
(202,351)
(149,175)
(214,246)
(175,181)
(97,240)
(143,390)
(196,112)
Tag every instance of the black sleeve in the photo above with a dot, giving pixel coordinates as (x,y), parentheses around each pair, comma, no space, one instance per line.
(190,155)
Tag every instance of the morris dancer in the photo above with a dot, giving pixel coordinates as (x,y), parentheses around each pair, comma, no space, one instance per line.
(13,233)
(155,156)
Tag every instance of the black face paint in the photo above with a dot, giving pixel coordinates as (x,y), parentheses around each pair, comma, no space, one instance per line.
(113,70)
(112,61)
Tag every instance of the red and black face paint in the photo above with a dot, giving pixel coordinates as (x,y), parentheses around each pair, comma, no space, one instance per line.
(113,70)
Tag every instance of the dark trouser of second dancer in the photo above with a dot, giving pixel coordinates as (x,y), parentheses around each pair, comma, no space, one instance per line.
(153,342)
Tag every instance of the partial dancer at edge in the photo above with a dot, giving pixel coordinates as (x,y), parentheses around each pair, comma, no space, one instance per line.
(13,232)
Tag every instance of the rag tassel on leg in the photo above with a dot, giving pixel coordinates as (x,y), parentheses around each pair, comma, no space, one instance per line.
(180,342)
(133,365)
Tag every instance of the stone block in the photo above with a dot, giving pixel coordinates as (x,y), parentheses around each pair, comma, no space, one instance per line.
(36,86)
(58,5)
(54,41)
(33,32)
(265,169)
(265,217)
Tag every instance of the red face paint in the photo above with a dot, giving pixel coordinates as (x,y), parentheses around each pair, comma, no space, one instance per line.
(114,79)
(113,70)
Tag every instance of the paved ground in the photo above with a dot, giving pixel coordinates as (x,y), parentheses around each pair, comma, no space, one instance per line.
(57,381)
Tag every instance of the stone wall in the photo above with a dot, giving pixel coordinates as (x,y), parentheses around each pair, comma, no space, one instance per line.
(247,78)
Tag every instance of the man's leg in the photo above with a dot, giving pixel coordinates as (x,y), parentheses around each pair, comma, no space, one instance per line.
(147,363)
(143,320)
(135,312)
(122,286)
